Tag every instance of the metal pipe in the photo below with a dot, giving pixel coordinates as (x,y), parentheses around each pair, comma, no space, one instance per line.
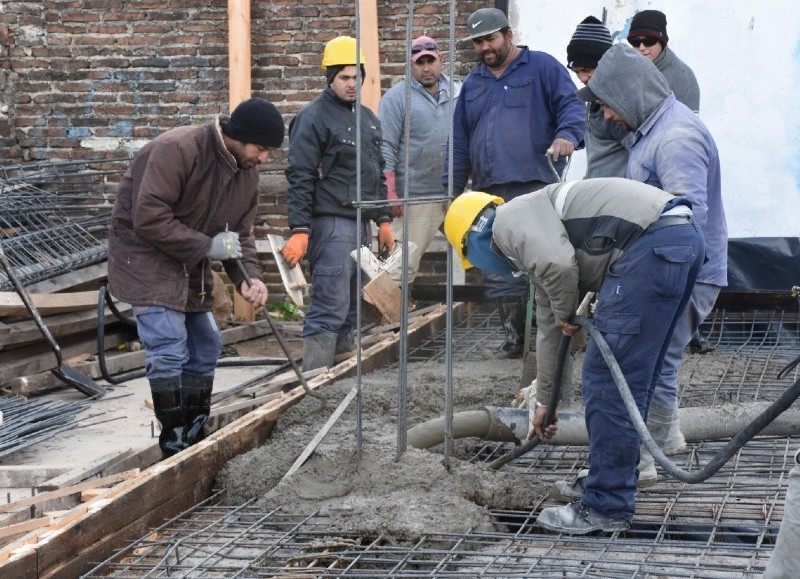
(511,425)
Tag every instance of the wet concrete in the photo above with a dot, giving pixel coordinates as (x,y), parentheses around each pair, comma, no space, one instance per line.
(372,492)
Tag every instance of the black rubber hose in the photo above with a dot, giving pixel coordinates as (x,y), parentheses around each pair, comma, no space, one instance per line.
(101,340)
(555,395)
(737,442)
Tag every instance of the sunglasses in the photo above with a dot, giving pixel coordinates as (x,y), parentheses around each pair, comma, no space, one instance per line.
(646,40)
(420,47)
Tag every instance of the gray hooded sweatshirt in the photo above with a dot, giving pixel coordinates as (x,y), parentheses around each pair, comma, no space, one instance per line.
(669,146)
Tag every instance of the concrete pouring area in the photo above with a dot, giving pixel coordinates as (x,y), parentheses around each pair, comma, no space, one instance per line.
(365,504)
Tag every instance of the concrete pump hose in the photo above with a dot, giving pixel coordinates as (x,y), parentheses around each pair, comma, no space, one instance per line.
(482,423)
(737,442)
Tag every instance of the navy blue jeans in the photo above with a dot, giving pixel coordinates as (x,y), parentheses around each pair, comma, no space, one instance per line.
(334,291)
(178,342)
(639,302)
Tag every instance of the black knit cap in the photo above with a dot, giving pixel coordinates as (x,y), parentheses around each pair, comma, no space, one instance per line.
(256,121)
(652,23)
(588,44)
(333,70)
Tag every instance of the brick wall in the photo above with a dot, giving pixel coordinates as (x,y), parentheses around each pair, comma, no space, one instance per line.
(82,79)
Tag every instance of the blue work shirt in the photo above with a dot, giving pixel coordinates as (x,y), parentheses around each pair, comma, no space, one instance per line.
(503,126)
(674,151)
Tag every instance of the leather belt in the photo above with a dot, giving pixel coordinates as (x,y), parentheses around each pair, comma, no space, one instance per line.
(669,221)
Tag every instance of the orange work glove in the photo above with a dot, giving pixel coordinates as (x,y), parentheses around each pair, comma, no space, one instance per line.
(385,238)
(391,195)
(295,248)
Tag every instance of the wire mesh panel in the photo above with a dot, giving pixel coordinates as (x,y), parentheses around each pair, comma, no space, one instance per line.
(723,527)
(54,217)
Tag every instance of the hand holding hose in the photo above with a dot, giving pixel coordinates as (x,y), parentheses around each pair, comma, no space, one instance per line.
(538,421)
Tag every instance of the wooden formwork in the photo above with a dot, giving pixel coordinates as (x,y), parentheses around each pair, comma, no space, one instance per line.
(71,540)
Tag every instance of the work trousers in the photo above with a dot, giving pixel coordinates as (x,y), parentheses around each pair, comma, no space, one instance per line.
(700,304)
(424,221)
(638,305)
(507,285)
(178,342)
(334,290)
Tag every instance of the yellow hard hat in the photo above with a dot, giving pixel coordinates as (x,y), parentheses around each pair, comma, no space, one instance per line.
(341,51)
(463,212)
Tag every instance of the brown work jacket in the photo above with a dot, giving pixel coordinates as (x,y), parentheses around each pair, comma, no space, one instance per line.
(181,189)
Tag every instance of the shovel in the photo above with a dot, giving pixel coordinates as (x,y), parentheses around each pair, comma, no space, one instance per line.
(66,374)
(283,345)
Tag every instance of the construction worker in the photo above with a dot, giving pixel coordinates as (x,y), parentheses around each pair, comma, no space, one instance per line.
(669,147)
(638,248)
(514,107)
(605,154)
(431,94)
(321,171)
(648,35)
(785,560)
(190,196)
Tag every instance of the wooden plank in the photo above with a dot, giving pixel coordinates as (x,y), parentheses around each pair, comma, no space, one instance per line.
(312,445)
(19,528)
(25,332)
(103,525)
(40,358)
(12,305)
(383,293)
(283,379)
(89,277)
(71,490)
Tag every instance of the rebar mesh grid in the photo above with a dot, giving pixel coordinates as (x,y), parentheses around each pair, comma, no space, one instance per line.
(54,216)
(723,527)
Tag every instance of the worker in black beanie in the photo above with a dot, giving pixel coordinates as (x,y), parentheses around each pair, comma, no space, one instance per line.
(589,42)
(650,24)
(256,121)
(605,155)
(190,197)
(648,35)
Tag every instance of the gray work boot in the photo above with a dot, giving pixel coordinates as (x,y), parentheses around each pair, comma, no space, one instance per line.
(512,312)
(345,346)
(659,420)
(675,443)
(570,491)
(319,350)
(578,519)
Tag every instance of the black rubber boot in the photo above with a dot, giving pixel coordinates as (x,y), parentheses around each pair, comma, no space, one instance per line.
(512,313)
(196,404)
(319,351)
(166,394)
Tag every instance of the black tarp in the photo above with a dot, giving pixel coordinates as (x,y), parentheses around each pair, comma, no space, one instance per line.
(763,264)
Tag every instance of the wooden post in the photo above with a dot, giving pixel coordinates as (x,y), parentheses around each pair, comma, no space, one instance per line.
(371,89)
(239,90)
(238,51)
